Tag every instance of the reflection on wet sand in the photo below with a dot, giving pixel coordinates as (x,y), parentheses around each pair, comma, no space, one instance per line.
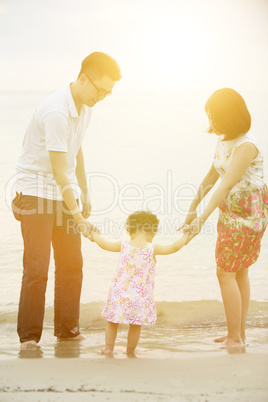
(67,349)
(237,350)
(30,353)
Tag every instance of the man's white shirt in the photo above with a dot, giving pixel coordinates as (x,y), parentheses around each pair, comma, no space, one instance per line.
(55,126)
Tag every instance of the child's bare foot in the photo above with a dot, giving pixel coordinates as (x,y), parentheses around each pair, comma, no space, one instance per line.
(231,343)
(29,345)
(131,352)
(79,337)
(108,352)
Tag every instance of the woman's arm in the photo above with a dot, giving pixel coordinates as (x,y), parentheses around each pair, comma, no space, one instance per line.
(208,182)
(171,248)
(106,245)
(242,158)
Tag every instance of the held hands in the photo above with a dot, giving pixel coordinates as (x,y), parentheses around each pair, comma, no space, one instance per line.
(189,218)
(192,225)
(86,228)
(193,229)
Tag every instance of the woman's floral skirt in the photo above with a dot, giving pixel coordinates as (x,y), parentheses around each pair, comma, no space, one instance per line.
(243,217)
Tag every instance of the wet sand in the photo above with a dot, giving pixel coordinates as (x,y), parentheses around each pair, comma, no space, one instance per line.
(199,377)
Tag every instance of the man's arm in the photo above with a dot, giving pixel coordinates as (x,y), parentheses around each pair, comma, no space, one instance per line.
(59,167)
(82,181)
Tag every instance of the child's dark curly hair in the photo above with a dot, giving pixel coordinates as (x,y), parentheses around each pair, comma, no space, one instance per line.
(142,220)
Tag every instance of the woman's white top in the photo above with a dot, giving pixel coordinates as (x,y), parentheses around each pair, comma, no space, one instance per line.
(253,176)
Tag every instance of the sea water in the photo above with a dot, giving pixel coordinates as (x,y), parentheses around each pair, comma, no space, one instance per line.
(141,151)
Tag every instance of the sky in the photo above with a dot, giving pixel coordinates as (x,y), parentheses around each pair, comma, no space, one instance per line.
(176,45)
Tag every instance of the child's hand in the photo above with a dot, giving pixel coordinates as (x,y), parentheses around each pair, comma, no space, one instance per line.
(186,234)
(94,231)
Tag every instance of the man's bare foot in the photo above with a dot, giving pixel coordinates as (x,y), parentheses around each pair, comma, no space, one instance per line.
(79,337)
(29,345)
(231,343)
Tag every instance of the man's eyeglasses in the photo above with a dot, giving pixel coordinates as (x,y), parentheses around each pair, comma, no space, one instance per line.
(100,91)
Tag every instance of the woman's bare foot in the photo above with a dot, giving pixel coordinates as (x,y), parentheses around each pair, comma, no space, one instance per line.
(231,343)
(79,337)
(220,340)
(224,338)
(29,345)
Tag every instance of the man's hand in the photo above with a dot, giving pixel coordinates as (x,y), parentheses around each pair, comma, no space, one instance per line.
(86,210)
(86,205)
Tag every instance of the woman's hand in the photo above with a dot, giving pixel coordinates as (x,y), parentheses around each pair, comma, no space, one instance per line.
(194,228)
(191,216)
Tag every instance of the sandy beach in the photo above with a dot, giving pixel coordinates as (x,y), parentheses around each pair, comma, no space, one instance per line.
(202,377)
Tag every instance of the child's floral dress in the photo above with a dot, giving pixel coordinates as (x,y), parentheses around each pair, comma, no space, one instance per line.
(243,215)
(131,295)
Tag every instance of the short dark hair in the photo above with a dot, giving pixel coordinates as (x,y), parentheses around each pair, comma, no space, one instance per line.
(229,113)
(100,64)
(142,220)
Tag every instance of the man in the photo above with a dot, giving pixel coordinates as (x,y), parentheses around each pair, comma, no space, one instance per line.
(50,171)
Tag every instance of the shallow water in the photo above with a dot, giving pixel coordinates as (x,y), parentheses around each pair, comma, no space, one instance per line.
(164,342)
(182,328)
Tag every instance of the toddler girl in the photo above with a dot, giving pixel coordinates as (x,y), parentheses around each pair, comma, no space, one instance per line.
(131,296)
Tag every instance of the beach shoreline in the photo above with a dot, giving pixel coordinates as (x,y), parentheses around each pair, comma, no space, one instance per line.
(198,377)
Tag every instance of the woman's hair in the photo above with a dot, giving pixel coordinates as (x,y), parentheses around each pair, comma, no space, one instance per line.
(100,64)
(142,220)
(229,113)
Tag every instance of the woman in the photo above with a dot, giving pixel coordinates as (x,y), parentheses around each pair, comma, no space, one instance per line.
(242,198)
